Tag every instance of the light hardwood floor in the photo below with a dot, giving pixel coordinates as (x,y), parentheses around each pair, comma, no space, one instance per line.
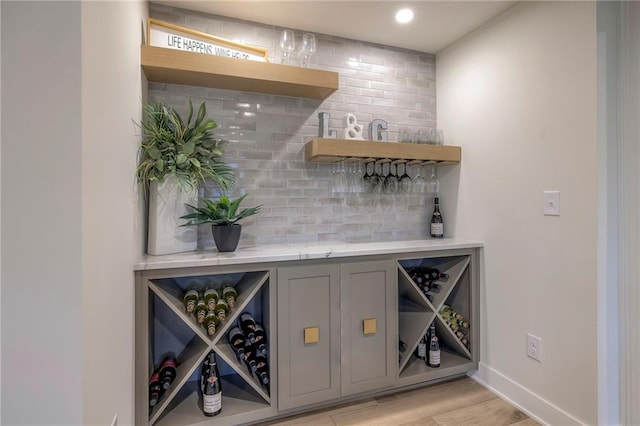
(457,402)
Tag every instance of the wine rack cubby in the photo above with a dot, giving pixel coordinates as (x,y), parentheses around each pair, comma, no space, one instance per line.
(418,309)
(171,330)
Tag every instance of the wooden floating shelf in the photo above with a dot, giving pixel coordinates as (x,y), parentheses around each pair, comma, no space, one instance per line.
(322,150)
(163,65)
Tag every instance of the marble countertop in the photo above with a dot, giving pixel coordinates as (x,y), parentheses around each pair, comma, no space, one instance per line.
(303,251)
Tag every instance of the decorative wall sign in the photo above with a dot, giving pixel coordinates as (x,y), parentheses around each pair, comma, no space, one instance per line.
(352,130)
(323,126)
(376,128)
(163,34)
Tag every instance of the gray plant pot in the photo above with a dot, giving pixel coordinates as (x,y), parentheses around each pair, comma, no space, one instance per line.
(226,237)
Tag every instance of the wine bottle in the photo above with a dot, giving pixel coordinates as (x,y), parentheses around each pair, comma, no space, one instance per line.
(262,371)
(248,326)
(167,371)
(249,356)
(237,341)
(201,311)
(437,224)
(230,295)
(211,387)
(434,349)
(211,322)
(211,298)
(221,310)
(190,299)
(261,340)
(155,389)
(436,275)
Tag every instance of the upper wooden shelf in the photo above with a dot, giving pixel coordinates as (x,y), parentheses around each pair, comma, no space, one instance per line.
(331,150)
(196,69)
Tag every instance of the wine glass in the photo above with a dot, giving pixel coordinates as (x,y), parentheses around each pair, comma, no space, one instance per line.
(307,49)
(391,181)
(419,181)
(438,137)
(432,185)
(366,179)
(377,180)
(287,44)
(405,184)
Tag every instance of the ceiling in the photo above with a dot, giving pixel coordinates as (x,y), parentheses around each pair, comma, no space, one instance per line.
(436,25)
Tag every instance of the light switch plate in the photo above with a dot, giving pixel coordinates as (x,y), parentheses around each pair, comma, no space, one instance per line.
(552,203)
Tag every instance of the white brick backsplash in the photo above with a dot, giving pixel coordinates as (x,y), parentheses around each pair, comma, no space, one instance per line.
(267,134)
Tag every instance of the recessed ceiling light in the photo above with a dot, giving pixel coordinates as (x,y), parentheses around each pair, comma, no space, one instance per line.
(404,16)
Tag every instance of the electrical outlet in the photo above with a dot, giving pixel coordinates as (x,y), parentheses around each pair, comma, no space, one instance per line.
(114,422)
(534,347)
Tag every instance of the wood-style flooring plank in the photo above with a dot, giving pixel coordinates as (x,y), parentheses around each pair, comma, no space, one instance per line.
(458,402)
(495,412)
(322,417)
(526,422)
(421,422)
(418,404)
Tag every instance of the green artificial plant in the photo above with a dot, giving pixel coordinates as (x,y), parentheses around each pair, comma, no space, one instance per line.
(185,149)
(221,212)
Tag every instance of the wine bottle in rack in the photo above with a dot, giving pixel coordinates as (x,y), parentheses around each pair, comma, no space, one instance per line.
(155,389)
(261,340)
(230,295)
(434,348)
(211,297)
(211,323)
(262,371)
(437,224)
(167,371)
(222,309)
(190,300)
(435,275)
(237,342)
(249,355)
(201,311)
(211,387)
(248,326)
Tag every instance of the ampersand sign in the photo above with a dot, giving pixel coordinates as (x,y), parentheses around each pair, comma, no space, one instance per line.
(352,130)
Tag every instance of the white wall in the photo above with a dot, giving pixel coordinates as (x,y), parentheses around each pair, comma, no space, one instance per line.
(111,101)
(71,88)
(41,214)
(519,96)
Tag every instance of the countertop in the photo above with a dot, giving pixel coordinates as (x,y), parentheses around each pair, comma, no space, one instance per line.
(303,251)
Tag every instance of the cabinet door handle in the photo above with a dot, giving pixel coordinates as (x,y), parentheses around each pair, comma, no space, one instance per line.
(311,335)
(369,326)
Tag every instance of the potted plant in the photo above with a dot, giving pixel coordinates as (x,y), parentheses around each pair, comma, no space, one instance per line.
(223,216)
(176,157)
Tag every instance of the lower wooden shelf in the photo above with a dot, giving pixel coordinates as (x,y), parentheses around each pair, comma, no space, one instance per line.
(321,150)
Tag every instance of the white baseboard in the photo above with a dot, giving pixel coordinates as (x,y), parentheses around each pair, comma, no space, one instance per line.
(528,402)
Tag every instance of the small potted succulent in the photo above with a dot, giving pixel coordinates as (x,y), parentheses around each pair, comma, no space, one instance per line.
(223,216)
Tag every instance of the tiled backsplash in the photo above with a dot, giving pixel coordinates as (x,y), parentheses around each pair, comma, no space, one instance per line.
(267,133)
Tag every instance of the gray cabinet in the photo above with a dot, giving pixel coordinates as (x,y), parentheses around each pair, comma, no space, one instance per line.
(369,326)
(333,324)
(308,335)
(337,331)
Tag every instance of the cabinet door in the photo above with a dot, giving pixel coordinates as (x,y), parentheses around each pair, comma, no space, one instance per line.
(369,326)
(308,335)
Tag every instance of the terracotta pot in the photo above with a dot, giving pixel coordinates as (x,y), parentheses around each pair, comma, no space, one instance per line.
(226,237)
